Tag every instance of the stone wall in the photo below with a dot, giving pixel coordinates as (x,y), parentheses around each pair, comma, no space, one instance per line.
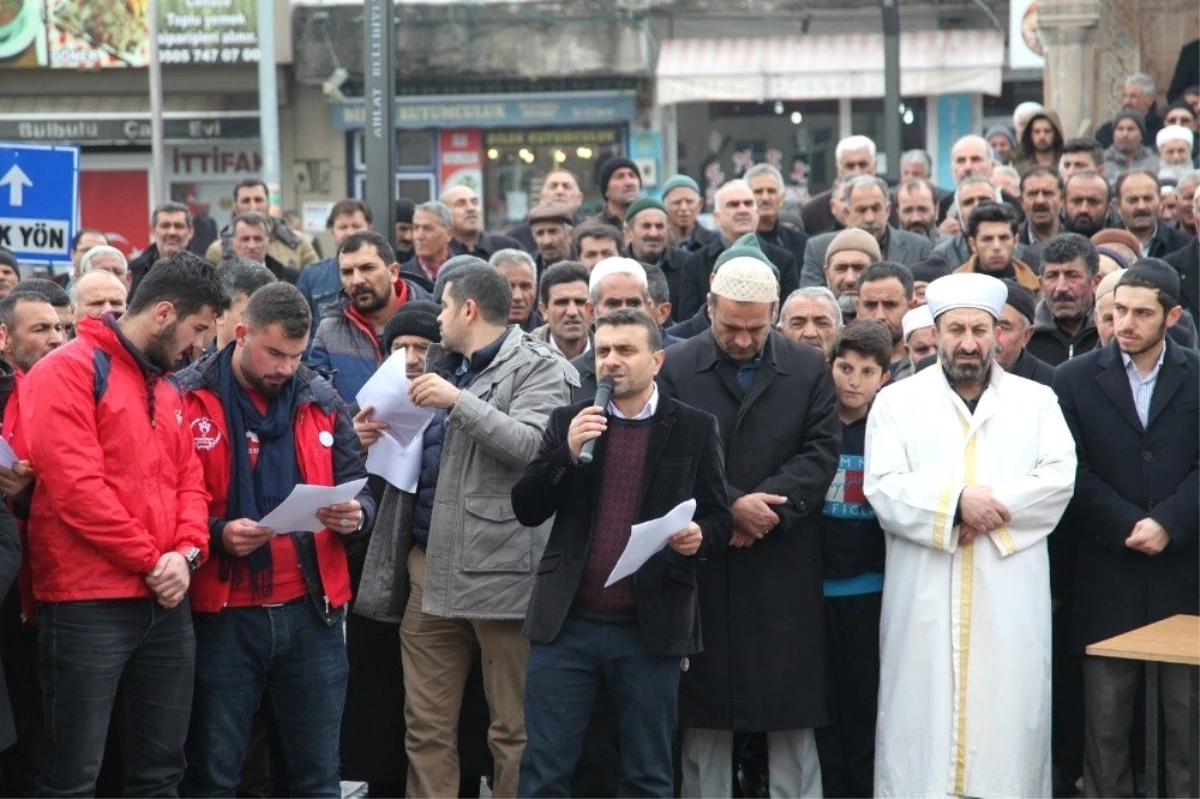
(1140,36)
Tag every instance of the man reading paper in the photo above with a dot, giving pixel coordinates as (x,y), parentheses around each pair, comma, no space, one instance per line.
(968,469)
(651,453)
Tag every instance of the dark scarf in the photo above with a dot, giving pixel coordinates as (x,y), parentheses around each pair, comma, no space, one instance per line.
(253,493)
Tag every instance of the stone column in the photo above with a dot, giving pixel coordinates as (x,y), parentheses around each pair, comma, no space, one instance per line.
(1068,29)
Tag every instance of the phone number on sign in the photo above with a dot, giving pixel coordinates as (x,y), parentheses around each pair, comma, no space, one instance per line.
(209,55)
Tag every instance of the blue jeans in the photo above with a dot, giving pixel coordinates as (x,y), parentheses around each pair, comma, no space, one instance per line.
(560,688)
(87,649)
(289,653)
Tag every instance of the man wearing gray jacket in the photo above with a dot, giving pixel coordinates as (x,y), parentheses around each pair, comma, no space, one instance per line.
(471,581)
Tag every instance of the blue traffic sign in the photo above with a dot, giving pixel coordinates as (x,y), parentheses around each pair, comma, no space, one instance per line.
(39,201)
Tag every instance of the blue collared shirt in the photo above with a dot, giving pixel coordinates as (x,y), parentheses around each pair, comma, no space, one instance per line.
(1143,387)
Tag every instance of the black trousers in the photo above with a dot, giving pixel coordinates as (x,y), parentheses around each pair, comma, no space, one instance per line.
(847,746)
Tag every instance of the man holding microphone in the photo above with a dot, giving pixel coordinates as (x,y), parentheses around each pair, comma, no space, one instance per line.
(648,454)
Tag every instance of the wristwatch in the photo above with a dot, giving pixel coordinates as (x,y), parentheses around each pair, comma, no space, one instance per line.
(192,556)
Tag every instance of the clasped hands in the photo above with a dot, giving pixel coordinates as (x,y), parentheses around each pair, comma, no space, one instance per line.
(981,513)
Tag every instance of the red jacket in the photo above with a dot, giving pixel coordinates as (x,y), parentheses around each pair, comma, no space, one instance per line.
(314,414)
(118,484)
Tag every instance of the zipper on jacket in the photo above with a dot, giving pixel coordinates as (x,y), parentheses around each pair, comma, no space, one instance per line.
(326,606)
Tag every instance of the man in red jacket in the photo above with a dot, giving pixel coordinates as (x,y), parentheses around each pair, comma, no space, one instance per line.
(121,517)
(269,608)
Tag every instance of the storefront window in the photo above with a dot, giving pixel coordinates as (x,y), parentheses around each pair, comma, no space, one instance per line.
(517,161)
(720,141)
(866,119)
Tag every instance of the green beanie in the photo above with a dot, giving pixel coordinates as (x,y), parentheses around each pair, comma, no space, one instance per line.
(679,182)
(643,204)
(745,247)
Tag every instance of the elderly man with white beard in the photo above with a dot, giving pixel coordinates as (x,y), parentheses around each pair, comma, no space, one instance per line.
(968,470)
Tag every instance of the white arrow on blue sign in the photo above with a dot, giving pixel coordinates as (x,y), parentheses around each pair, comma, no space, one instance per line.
(39,201)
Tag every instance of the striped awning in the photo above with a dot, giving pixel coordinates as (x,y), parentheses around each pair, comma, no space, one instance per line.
(827,67)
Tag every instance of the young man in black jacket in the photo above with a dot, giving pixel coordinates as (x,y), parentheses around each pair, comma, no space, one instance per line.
(651,453)
(852,555)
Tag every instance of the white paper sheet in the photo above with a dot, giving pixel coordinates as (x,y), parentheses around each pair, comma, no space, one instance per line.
(7,456)
(648,538)
(400,466)
(299,511)
(387,390)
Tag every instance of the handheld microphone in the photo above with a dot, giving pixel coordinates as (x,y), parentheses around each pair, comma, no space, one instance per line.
(603,392)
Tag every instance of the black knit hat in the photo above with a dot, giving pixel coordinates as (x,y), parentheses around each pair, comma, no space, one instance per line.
(612,165)
(929,269)
(1138,119)
(404,211)
(1156,272)
(1020,298)
(415,318)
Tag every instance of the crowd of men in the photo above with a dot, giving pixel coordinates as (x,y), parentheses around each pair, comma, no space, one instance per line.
(938,442)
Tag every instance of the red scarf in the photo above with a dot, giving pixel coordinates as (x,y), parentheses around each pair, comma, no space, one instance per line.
(364,324)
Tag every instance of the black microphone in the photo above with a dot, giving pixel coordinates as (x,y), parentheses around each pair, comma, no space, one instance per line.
(603,392)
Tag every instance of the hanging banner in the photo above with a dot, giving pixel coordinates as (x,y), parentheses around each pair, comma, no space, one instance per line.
(460,160)
(98,34)
(1025,50)
(208,31)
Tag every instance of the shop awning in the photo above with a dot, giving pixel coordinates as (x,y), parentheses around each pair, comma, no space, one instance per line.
(827,67)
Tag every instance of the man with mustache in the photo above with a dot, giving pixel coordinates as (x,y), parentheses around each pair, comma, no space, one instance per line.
(564,305)
(1175,145)
(560,188)
(767,184)
(432,229)
(373,288)
(1138,202)
(682,198)
(648,231)
(620,183)
(1042,199)
(172,230)
(1128,150)
(469,236)
(1063,325)
(1086,199)
(812,315)
(251,240)
(518,268)
(916,205)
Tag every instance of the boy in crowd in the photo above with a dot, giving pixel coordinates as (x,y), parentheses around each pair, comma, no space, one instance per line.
(853,559)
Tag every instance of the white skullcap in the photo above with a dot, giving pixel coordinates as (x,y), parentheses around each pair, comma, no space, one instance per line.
(918,318)
(746,280)
(1026,110)
(616,266)
(966,290)
(1175,133)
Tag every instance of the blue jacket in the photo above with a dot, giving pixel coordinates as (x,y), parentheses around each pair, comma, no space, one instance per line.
(346,347)
(321,286)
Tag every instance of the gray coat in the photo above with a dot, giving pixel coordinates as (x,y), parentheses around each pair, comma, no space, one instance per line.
(903,248)
(480,558)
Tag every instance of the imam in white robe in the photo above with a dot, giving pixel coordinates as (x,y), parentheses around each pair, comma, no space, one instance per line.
(964,696)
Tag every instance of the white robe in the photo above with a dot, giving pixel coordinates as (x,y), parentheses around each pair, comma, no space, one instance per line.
(964,695)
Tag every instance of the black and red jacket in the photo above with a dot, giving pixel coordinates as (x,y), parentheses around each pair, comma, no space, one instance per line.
(327,453)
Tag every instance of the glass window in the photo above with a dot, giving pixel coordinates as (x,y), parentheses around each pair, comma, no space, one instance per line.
(866,119)
(414,148)
(720,141)
(517,161)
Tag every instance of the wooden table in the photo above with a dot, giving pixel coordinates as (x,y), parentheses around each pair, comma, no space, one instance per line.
(1173,640)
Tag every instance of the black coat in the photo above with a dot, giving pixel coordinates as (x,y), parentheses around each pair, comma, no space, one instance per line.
(786,238)
(10,562)
(1166,241)
(1030,367)
(487,245)
(1125,474)
(693,288)
(762,667)
(683,461)
(693,326)
(1187,263)
(671,263)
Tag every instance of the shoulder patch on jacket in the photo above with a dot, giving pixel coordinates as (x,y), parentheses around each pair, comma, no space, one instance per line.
(101,368)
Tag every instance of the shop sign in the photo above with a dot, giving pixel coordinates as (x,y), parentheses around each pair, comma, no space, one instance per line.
(103,34)
(487,112)
(460,160)
(126,131)
(224,161)
(555,137)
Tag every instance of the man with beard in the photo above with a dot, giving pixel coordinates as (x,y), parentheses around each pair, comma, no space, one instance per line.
(868,208)
(1041,142)
(1131,407)
(620,182)
(736,214)
(269,607)
(564,306)
(681,196)
(550,230)
(1175,145)
(1139,94)
(348,338)
(121,529)
(992,234)
(250,240)
(1062,323)
(1041,193)
(767,184)
(648,231)
(1138,201)
(1187,263)
(518,268)
(812,315)
(469,237)
(1086,200)
(1003,143)
(560,188)
(1080,155)
(1128,150)
(1014,328)
(968,470)
(885,294)
(171,225)
(916,206)
(404,229)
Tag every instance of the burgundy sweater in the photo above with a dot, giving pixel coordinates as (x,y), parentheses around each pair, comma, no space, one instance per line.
(616,513)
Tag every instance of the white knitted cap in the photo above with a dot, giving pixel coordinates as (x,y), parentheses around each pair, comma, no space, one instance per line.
(746,280)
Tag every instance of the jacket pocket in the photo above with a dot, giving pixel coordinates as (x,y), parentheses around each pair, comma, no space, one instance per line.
(549,563)
(494,541)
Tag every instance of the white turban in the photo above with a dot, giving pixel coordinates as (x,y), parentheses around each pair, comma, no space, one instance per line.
(1175,133)
(966,290)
